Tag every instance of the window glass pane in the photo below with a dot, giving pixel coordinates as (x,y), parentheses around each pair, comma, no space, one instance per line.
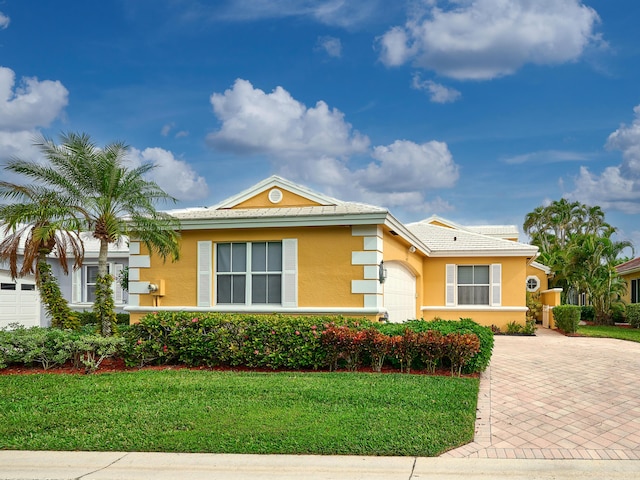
(239,257)
(238,288)
(223,257)
(259,257)
(274,288)
(92,273)
(275,257)
(259,289)
(481,296)
(465,275)
(465,295)
(223,289)
(7,286)
(28,287)
(91,293)
(481,275)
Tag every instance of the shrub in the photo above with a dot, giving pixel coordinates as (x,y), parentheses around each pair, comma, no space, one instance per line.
(88,317)
(272,341)
(567,317)
(432,346)
(587,313)
(633,314)
(478,363)
(460,349)
(47,347)
(377,346)
(618,314)
(91,350)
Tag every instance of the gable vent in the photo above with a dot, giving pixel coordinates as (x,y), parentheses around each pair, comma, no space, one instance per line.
(275,195)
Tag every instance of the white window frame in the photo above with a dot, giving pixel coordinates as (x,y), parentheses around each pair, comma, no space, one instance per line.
(79,284)
(533,278)
(495,285)
(248,273)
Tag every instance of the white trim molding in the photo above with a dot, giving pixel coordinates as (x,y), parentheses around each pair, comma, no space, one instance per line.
(473,308)
(260,309)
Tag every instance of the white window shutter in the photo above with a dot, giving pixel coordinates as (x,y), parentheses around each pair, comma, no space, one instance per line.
(204,274)
(496,284)
(450,300)
(290,272)
(76,285)
(117,288)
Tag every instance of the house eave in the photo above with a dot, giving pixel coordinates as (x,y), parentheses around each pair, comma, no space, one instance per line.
(483,253)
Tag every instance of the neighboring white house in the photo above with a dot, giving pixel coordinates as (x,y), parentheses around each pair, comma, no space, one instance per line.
(20,301)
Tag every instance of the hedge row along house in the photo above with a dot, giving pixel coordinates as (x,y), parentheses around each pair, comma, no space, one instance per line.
(280,247)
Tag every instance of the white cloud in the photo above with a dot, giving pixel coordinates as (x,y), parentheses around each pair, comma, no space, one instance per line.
(437,92)
(31,104)
(182,134)
(547,156)
(617,187)
(340,13)
(276,123)
(315,145)
(4,21)
(23,110)
(408,166)
(484,39)
(331,45)
(174,176)
(166,129)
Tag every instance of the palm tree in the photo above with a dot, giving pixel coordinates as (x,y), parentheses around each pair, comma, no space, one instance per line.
(111,200)
(38,224)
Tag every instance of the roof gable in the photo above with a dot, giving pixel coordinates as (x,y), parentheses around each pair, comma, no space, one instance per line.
(276,192)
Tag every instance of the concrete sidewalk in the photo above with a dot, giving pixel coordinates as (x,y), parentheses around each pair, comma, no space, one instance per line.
(160,466)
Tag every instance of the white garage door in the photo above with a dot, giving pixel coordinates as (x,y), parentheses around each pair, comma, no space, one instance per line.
(19,301)
(399,292)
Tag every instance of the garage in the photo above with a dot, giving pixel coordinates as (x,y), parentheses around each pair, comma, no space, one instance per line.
(399,292)
(19,301)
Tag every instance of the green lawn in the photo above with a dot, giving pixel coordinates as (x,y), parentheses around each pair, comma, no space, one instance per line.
(603,331)
(229,412)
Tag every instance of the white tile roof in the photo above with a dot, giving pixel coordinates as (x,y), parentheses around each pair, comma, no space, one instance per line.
(443,241)
(345,208)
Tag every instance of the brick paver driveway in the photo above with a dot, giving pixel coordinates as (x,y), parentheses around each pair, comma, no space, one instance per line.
(552,396)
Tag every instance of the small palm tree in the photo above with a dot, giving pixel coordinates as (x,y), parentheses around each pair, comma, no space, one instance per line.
(111,200)
(38,224)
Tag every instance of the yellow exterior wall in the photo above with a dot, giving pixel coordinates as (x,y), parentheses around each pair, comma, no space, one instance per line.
(544,280)
(324,265)
(627,278)
(289,199)
(513,291)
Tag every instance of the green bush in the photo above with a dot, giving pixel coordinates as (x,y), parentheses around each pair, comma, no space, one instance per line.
(271,341)
(618,313)
(633,314)
(88,317)
(49,347)
(567,317)
(478,363)
(587,313)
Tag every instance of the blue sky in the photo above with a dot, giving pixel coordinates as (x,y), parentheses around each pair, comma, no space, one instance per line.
(475,110)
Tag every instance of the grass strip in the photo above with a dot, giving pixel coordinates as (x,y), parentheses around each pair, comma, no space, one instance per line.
(606,331)
(233,412)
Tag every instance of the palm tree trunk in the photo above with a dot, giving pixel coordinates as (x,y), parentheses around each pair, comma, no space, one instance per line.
(104,307)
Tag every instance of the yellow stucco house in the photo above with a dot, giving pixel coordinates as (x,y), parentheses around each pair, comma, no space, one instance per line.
(630,272)
(280,247)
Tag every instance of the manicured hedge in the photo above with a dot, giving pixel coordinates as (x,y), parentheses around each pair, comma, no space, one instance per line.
(50,347)
(303,342)
(212,339)
(567,317)
(633,314)
(478,363)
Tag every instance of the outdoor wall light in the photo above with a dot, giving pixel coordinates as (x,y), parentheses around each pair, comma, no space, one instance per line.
(153,288)
(382,272)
